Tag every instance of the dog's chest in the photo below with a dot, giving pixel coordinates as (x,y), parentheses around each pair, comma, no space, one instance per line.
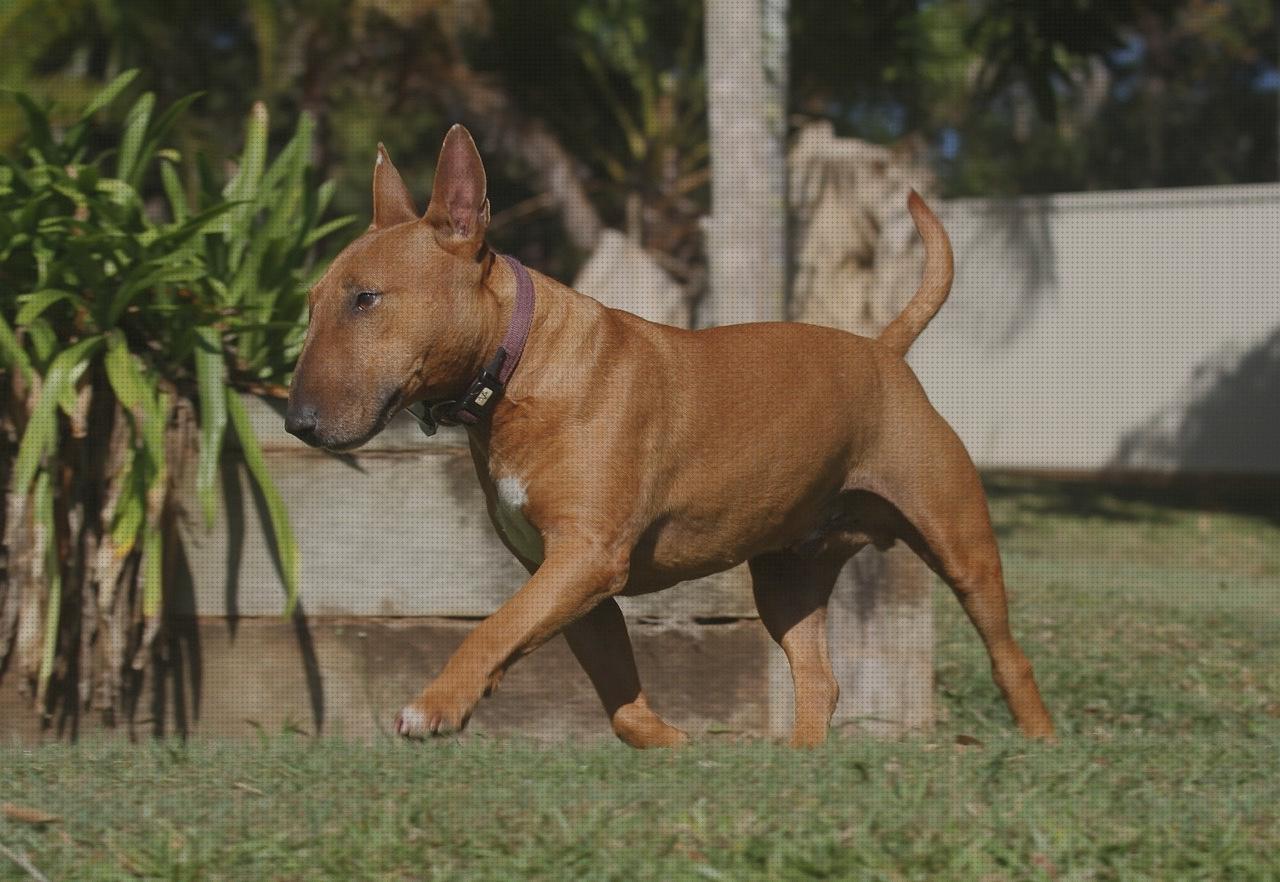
(508,514)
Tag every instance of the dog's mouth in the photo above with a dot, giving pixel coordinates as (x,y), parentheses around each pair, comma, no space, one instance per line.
(388,410)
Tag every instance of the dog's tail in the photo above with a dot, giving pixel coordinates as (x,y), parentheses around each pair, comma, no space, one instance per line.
(939,270)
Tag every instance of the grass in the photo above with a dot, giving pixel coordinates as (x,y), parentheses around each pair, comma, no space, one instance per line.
(1152,619)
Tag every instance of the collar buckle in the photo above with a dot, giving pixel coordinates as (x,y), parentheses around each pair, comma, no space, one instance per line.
(483,394)
(425,415)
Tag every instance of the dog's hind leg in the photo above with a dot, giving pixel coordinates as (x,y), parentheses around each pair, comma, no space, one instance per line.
(969,563)
(948,525)
(600,642)
(791,595)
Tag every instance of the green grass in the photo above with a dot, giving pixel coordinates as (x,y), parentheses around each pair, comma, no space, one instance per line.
(1152,620)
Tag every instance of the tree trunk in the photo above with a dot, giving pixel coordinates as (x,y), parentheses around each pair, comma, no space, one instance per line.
(881,616)
(858,260)
(746,94)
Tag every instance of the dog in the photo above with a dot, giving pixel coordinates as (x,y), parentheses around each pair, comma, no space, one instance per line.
(620,457)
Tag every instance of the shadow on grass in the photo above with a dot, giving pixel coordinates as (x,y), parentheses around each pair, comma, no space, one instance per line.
(1134,499)
(1213,449)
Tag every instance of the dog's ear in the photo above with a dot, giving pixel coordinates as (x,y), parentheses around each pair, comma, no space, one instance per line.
(459,210)
(392,203)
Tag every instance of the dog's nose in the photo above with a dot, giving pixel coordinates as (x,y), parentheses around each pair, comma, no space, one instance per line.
(301,421)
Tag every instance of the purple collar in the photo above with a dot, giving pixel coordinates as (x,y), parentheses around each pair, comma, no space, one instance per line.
(489,384)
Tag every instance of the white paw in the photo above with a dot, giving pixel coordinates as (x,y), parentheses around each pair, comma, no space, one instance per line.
(411,722)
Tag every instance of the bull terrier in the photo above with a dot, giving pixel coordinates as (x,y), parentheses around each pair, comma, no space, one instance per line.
(620,457)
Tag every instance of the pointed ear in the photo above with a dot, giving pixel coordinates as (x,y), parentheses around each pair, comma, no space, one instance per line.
(392,203)
(459,210)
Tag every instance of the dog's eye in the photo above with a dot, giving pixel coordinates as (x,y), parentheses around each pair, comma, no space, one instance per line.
(366,299)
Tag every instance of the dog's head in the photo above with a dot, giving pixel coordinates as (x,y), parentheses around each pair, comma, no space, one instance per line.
(400,315)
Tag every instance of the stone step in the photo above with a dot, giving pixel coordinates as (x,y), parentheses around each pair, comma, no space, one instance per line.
(348,678)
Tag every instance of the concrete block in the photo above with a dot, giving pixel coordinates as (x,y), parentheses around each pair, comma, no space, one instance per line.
(348,678)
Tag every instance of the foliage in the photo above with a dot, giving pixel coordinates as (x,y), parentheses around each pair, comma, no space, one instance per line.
(1118,96)
(121,310)
(653,86)
(648,70)
(1011,97)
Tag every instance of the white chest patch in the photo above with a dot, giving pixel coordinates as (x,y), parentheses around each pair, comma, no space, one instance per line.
(511,492)
(509,514)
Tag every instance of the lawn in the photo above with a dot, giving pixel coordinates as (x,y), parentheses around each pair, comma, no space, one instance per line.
(1151,617)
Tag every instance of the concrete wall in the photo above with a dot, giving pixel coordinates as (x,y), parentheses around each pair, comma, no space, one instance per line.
(1129,330)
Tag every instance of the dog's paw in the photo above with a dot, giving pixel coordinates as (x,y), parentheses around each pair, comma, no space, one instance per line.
(411,723)
(422,719)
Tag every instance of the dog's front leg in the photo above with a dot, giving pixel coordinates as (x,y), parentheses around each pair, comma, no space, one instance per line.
(574,577)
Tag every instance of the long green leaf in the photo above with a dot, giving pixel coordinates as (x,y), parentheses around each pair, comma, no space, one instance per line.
(244,284)
(109,93)
(120,192)
(41,435)
(175,191)
(172,114)
(281,530)
(211,376)
(43,340)
(152,570)
(325,229)
(135,132)
(291,161)
(153,435)
(190,226)
(132,505)
(245,187)
(324,195)
(157,131)
(36,302)
(53,573)
(12,355)
(127,380)
(163,271)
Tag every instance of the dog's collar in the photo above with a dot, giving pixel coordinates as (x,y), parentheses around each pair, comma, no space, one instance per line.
(491,382)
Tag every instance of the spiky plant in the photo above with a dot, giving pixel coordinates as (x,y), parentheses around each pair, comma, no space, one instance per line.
(130,320)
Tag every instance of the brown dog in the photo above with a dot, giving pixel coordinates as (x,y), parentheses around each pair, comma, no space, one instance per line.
(624,456)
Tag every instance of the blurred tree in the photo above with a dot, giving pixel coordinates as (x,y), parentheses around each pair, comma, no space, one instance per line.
(30,31)
(1061,95)
(591,112)
(65,51)
(620,84)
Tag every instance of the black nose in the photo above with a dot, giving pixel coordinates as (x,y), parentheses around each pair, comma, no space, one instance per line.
(301,421)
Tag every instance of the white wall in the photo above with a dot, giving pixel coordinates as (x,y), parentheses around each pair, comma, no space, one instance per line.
(1131,329)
